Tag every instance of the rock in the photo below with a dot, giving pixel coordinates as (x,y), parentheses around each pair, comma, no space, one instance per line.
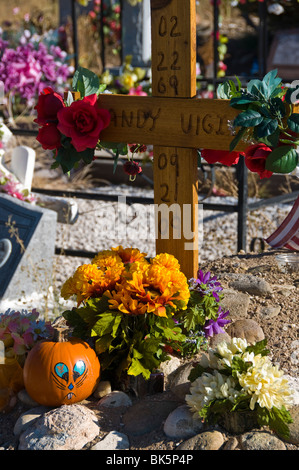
(113,441)
(26,399)
(293,427)
(181,423)
(253,285)
(115,399)
(294,387)
(179,383)
(231,444)
(103,389)
(169,368)
(217,339)
(147,416)
(247,329)
(258,440)
(236,302)
(68,427)
(26,419)
(268,312)
(207,440)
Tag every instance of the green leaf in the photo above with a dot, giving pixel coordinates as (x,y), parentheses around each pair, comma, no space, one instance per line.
(248,118)
(259,348)
(276,419)
(86,82)
(293,122)
(267,127)
(105,323)
(270,140)
(283,160)
(239,102)
(103,343)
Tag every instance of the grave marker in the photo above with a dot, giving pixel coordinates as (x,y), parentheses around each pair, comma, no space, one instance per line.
(26,257)
(176,123)
(136,33)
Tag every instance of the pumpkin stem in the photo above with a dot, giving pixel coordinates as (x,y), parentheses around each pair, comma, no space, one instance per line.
(60,335)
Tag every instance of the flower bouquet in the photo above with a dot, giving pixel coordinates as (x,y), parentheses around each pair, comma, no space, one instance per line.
(237,377)
(72,126)
(136,311)
(267,123)
(19,332)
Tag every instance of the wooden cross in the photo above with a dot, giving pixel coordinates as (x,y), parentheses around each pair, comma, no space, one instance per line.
(176,124)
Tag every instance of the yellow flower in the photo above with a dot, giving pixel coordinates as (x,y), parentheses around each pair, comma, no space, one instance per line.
(266,384)
(128,80)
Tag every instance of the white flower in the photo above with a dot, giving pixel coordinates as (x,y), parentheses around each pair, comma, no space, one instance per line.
(228,350)
(209,387)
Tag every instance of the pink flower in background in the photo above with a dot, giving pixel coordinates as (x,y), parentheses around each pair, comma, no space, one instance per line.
(138,91)
(28,68)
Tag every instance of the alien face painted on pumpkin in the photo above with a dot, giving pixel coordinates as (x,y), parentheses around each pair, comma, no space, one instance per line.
(61,373)
(70,380)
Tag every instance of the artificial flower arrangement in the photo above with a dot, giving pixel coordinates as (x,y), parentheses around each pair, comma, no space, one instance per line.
(137,311)
(238,377)
(29,63)
(266,122)
(19,332)
(11,186)
(72,127)
(131,80)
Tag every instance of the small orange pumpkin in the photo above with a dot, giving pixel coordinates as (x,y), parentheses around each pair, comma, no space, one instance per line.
(60,373)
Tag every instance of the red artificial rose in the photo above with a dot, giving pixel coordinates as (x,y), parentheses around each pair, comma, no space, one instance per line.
(255,159)
(83,121)
(49,137)
(132,168)
(220,156)
(48,105)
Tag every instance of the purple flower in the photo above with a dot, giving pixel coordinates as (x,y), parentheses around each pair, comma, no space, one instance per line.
(205,284)
(214,327)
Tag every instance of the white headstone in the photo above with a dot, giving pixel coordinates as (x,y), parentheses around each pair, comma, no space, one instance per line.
(22,165)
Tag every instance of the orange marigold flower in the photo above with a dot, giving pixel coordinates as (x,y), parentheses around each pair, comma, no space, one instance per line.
(83,282)
(129,255)
(107,258)
(166,260)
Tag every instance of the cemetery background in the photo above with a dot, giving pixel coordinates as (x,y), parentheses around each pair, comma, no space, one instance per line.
(280,325)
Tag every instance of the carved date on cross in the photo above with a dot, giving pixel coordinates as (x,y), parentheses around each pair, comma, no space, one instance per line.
(176,123)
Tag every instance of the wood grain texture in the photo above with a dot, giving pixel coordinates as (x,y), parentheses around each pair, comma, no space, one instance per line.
(174,49)
(174,122)
(176,205)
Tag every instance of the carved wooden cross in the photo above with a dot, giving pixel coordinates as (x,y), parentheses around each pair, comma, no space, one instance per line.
(176,124)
